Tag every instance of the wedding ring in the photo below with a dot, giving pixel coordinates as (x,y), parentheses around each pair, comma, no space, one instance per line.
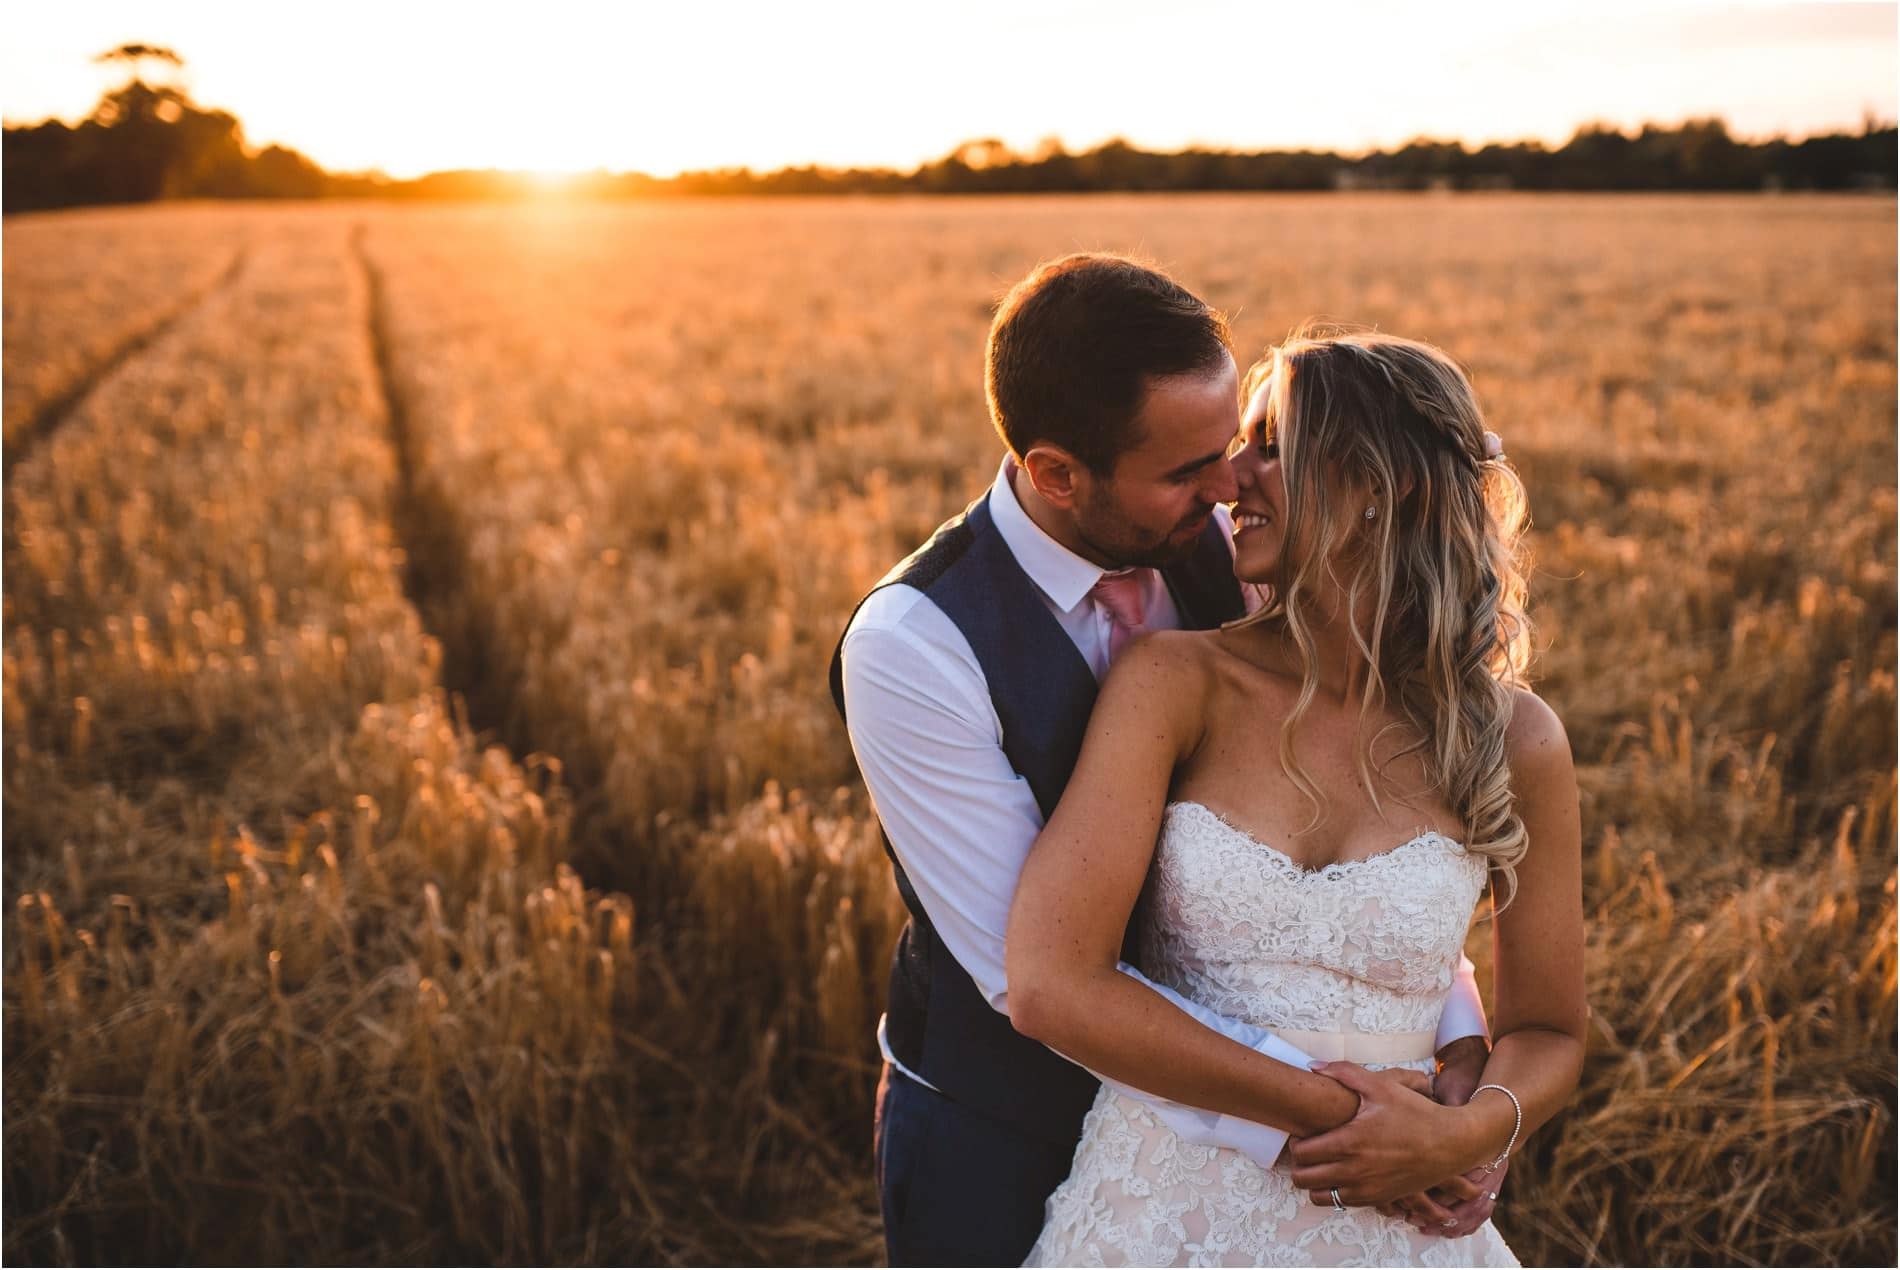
(1339,1205)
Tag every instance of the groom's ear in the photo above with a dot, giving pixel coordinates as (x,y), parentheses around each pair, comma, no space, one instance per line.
(1055,473)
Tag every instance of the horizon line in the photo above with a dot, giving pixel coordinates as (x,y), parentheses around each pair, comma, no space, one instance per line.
(1870,120)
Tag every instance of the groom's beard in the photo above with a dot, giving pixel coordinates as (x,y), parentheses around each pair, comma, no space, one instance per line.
(1112,538)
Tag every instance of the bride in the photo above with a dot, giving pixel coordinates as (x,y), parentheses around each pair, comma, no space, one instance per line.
(1310,802)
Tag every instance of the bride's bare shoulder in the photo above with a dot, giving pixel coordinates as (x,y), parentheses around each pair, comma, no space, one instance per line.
(1535,743)
(1171,667)
(1190,673)
(1536,732)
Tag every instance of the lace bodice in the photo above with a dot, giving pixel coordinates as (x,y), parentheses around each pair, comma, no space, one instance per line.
(1363,946)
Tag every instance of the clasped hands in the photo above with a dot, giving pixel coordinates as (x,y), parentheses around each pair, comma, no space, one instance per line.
(1402,1151)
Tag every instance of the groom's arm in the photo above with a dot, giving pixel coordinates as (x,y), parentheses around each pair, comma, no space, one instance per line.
(1464,1009)
(1464,1042)
(961,820)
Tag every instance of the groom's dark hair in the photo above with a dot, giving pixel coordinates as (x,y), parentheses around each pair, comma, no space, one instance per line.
(1074,344)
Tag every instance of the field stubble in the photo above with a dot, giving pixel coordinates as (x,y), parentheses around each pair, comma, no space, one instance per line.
(298,966)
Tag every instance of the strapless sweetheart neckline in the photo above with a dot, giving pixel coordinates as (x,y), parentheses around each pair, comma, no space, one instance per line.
(1431,837)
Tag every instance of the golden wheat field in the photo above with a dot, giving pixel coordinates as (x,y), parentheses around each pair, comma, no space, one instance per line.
(427,834)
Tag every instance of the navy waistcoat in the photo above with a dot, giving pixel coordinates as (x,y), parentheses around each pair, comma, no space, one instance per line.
(939,1024)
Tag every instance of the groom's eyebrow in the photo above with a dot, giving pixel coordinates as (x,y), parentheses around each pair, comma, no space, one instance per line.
(1194,465)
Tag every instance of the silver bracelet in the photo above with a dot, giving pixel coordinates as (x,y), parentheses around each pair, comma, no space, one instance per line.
(1518,1108)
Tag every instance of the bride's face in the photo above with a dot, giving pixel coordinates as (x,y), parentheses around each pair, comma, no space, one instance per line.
(1264,549)
(1260,504)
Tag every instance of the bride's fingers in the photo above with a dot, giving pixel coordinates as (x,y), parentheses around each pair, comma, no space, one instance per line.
(1350,1198)
(1352,1140)
(1469,1216)
(1417,1082)
(1317,1177)
(1456,1190)
(1400,1209)
(1334,1144)
(1474,1212)
(1430,1213)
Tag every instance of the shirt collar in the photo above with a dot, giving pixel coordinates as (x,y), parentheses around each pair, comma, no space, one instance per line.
(1061,575)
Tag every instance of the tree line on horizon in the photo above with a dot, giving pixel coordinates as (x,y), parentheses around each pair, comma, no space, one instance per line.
(144,143)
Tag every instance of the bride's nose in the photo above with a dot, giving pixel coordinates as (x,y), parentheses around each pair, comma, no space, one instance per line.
(1224,482)
(1242,465)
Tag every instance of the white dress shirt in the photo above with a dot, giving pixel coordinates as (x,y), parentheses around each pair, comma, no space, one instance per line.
(962,821)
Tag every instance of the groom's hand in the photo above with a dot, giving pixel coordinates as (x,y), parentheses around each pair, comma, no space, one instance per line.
(1460,1070)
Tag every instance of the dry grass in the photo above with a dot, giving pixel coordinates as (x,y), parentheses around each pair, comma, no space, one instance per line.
(297,969)
(92,284)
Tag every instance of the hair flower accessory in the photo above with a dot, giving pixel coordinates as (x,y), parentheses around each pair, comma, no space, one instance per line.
(1493,446)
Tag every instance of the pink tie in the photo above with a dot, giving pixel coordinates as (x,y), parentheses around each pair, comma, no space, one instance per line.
(1122,596)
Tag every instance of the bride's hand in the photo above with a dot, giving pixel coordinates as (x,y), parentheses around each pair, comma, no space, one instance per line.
(1451,1210)
(1420,1210)
(1426,1211)
(1462,1204)
(1418,1082)
(1469,1200)
(1400,1143)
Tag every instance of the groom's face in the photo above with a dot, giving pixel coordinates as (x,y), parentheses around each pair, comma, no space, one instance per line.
(1151,508)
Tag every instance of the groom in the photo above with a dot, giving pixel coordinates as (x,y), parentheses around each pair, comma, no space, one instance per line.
(966,678)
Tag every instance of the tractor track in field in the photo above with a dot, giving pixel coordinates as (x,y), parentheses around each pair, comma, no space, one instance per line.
(428,528)
(56,409)
(432,532)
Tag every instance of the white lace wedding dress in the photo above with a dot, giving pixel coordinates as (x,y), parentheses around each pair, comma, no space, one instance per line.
(1323,957)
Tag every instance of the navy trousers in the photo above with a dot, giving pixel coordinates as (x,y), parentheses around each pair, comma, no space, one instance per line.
(959,1188)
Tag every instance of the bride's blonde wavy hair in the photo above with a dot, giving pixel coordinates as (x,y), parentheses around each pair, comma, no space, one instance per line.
(1434,581)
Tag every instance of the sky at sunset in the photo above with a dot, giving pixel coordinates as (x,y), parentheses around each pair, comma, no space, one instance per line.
(563,85)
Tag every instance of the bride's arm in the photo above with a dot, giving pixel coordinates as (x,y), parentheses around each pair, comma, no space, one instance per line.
(1541,1011)
(1542,1014)
(1079,888)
